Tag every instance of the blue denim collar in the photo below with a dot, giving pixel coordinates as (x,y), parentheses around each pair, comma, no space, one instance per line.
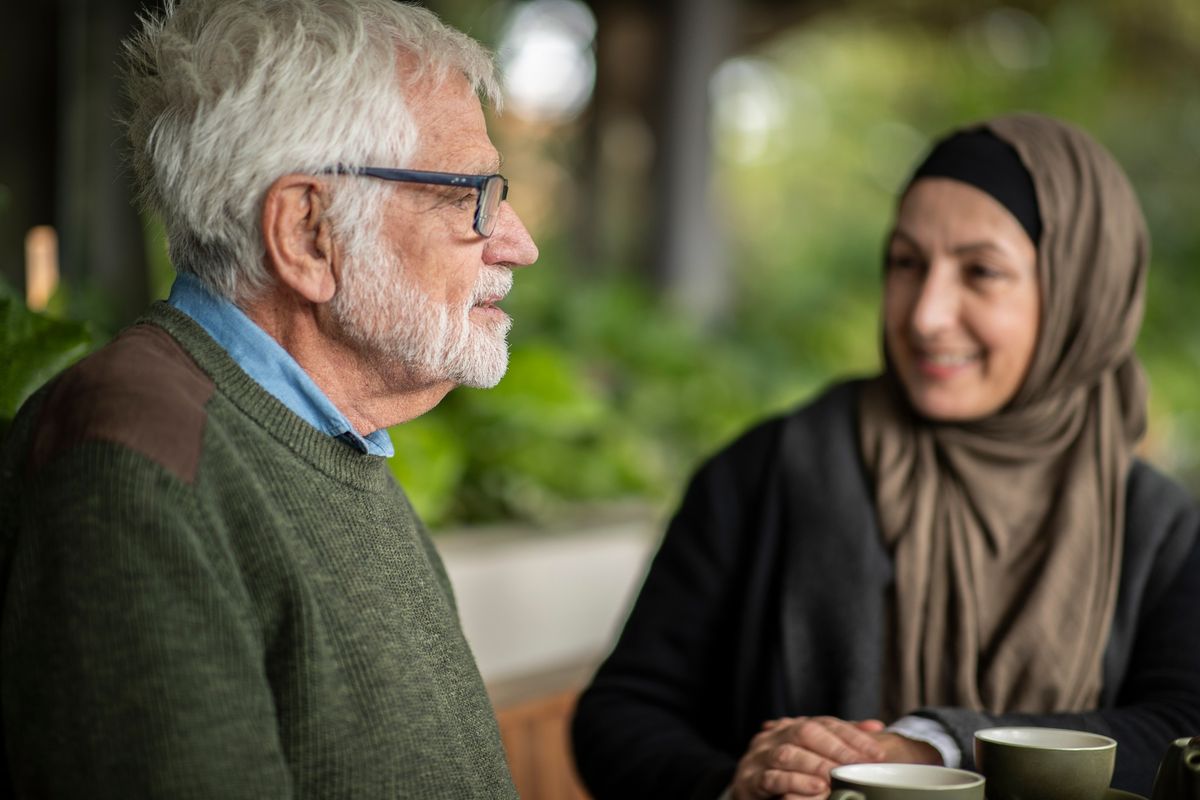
(270,365)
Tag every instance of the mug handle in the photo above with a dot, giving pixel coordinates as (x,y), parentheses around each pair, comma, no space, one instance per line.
(1191,755)
(847,794)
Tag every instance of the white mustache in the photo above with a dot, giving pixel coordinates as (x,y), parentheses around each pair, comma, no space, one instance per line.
(493,283)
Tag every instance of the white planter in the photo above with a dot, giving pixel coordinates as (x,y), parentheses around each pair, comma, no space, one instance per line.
(531,601)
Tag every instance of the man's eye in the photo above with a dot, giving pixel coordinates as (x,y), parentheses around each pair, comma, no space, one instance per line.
(900,262)
(464,201)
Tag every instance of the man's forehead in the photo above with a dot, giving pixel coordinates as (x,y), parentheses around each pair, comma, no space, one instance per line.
(426,86)
(459,152)
(452,129)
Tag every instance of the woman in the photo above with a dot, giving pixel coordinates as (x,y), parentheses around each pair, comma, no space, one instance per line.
(964,541)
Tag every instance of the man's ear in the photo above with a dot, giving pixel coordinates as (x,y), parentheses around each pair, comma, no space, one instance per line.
(298,237)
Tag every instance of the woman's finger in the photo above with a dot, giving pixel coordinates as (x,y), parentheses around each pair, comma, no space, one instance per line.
(779,781)
(800,760)
(862,741)
(834,739)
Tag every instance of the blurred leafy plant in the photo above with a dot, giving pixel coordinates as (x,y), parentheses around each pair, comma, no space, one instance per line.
(33,348)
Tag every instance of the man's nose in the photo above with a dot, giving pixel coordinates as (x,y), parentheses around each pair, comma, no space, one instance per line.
(510,243)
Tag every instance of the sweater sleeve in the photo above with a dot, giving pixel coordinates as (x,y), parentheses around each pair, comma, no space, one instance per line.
(132,665)
(655,721)
(1158,698)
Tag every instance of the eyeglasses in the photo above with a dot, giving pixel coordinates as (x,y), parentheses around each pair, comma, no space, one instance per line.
(492,189)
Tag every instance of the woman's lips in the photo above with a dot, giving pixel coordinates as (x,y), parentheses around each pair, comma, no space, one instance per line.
(941,366)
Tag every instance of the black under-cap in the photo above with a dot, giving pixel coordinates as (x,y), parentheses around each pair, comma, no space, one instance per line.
(987,162)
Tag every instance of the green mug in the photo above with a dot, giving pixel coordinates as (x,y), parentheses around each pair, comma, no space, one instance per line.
(904,782)
(1027,763)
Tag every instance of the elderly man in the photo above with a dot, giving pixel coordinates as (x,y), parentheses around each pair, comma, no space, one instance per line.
(211,585)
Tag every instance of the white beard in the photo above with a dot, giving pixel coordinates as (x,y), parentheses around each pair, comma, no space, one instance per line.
(380,310)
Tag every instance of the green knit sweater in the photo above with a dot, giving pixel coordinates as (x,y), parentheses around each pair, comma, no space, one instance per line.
(203,596)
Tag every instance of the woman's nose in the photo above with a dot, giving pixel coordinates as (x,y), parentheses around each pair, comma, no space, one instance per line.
(938,302)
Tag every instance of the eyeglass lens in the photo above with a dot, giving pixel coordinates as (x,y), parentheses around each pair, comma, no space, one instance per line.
(490,197)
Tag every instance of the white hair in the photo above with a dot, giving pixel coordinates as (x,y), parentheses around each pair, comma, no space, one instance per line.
(226,96)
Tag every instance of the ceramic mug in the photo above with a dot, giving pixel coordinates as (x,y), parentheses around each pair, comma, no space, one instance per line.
(904,782)
(1178,775)
(1044,763)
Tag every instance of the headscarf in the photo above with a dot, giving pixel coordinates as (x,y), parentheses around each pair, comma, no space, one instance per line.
(1006,532)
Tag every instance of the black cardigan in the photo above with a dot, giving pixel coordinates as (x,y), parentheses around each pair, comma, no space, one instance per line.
(767,598)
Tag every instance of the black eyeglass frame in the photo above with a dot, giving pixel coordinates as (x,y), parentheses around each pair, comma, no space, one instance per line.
(484,221)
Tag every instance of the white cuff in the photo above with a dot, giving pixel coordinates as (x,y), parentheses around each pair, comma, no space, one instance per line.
(923,729)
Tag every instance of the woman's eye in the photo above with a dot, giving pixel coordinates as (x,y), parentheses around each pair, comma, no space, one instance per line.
(983,272)
(901,262)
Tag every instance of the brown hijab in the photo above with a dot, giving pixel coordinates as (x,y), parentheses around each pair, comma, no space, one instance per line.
(1006,532)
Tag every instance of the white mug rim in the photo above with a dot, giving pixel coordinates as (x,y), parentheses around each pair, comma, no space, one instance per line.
(969,779)
(995,736)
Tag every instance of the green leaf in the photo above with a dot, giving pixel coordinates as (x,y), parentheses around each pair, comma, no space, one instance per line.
(33,349)
(429,463)
(545,390)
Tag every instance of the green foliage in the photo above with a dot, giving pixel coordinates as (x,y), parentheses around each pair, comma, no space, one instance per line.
(160,270)
(33,348)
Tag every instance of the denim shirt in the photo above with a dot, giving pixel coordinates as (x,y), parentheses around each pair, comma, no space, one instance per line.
(270,365)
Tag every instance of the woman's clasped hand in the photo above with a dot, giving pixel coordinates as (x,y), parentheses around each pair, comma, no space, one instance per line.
(792,756)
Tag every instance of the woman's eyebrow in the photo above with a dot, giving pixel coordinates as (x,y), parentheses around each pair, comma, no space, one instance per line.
(966,247)
(986,245)
(898,233)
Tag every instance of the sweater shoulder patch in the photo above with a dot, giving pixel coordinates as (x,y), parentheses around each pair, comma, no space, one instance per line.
(142,391)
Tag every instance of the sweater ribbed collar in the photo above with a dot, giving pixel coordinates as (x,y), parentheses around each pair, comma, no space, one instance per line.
(331,456)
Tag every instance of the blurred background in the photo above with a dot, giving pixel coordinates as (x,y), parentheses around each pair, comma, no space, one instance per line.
(710,182)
